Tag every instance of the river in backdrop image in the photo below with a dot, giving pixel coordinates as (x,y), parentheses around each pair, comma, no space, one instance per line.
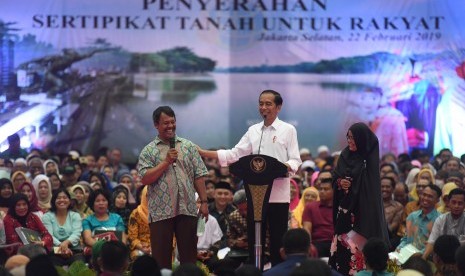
(212,114)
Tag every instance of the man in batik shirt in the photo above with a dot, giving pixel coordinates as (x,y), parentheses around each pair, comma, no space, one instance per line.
(173,170)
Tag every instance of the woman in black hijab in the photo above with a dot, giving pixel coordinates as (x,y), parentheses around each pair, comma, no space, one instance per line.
(20,215)
(358,212)
(6,192)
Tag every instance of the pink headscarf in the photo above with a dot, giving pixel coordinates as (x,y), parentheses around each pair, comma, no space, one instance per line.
(34,202)
(295,200)
(314,177)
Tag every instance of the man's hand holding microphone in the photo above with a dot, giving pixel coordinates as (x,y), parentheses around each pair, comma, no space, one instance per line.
(172,154)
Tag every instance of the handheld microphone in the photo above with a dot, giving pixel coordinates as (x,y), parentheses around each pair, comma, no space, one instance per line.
(261,136)
(172,146)
(348,175)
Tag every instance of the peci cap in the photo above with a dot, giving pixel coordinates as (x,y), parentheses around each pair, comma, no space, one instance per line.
(239,197)
(223,185)
(304,151)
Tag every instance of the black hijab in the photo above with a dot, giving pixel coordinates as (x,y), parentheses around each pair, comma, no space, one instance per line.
(116,191)
(12,210)
(362,166)
(5,202)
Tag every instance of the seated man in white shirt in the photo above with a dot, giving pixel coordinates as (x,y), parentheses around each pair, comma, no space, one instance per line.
(208,241)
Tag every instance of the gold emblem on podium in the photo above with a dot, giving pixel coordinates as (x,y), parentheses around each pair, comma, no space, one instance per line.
(258,164)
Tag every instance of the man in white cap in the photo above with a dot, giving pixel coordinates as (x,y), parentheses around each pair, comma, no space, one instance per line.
(323,152)
(306,171)
(305,154)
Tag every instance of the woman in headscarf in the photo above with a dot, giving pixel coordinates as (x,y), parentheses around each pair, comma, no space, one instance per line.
(20,215)
(412,178)
(119,203)
(101,179)
(358,212)
(444,202)
(43,190)
(27,189)
(18,178)
(315,179)
(310,194)
(80,206)
(55,181)
(138,228)
(295,195)
(422,174)
(127,180)
(6,192)
(50,166)
(108,171)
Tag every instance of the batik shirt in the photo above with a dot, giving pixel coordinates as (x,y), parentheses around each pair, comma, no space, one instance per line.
(419,226)
(237,228)
(173,193)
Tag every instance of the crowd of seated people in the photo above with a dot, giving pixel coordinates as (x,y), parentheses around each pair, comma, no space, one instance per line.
(71,199)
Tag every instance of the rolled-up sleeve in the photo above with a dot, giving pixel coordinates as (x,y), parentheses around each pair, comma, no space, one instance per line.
(293,150)
(76,224)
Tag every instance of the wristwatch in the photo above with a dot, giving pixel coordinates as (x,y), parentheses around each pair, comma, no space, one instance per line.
(203,201)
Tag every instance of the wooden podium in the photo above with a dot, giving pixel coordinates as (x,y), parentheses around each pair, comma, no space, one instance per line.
(258,173)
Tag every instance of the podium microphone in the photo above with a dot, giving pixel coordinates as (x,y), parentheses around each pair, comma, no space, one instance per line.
(172,146)
(261,136)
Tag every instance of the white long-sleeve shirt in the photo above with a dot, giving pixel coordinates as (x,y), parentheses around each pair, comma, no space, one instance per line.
(211,235)
(279,141)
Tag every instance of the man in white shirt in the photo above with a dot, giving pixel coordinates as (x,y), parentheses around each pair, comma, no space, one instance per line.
(277,139)
(209,237)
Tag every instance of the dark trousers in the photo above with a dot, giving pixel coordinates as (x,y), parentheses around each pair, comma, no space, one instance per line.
(277,221)
(184,228)
(323,248)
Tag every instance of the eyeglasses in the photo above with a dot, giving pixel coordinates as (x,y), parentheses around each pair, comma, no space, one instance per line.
(421,186)
(349,137)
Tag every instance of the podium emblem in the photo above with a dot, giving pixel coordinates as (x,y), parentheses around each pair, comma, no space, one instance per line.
(258,164)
